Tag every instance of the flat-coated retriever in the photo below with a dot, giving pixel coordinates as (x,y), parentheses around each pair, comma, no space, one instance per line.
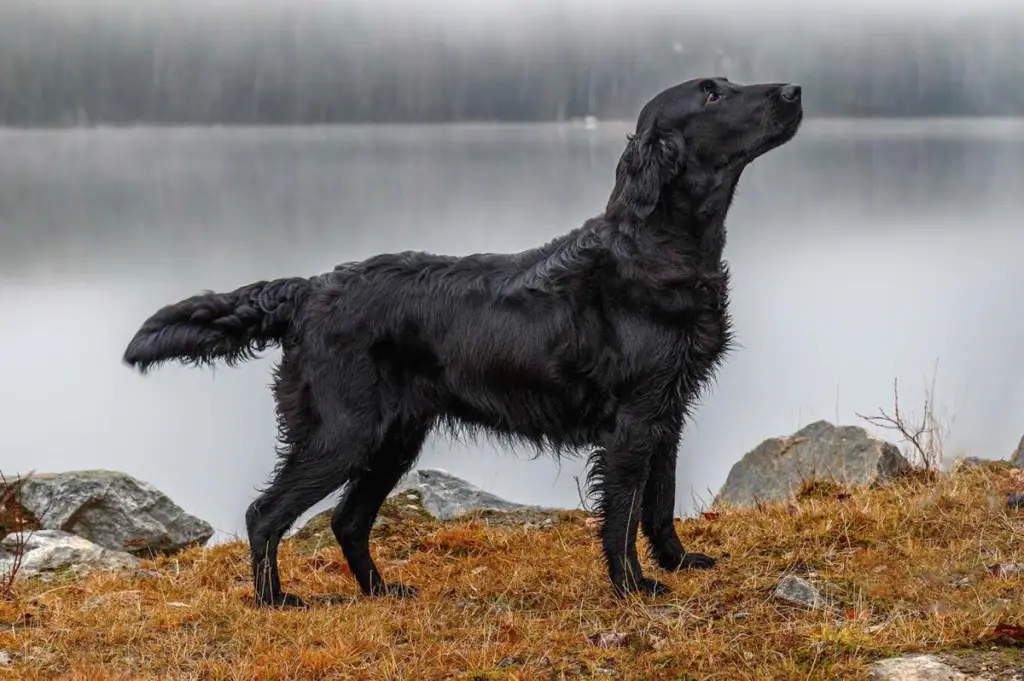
(602,339)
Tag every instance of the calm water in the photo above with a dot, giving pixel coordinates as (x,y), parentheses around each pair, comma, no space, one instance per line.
(862,252)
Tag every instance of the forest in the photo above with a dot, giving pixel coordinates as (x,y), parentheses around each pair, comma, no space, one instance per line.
(350,62)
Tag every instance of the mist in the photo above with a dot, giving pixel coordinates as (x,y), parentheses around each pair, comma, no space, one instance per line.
(105,63)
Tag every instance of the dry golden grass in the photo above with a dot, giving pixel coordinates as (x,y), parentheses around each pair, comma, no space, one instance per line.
(908,563)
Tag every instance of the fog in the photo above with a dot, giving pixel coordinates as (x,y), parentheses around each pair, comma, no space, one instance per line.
(330,62)
(155,149)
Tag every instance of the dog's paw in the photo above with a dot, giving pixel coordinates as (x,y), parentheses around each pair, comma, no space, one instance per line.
(696,561)
(644,586)
(283,601)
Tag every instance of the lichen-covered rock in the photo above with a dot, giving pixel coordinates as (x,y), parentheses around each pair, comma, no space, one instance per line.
(52,550)
(446,496)
(916,668)
(775,469)
(113,510)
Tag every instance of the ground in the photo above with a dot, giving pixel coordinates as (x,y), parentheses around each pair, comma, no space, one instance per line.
(909,567)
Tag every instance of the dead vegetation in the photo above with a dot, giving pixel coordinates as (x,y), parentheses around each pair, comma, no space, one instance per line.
(909,567)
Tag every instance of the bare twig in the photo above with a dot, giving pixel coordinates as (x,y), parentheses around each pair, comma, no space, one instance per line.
(925,437)
(10,506)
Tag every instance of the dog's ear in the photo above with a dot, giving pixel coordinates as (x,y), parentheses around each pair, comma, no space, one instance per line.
(652,158)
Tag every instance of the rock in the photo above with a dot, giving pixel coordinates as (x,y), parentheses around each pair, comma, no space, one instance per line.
(966,463)
(51,550)
(1017,458)
(1005,570)
(916,668)
(609,640)
(5,658)
(1015,501)
(799,591)
(776,468)
(113,510)
(446,496)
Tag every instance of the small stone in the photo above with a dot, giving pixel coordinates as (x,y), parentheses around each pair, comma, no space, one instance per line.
(147,574)
(176,604)
(1015,501)
(5,658)
(798,591)
(478,570)
(1004,570)
(510,662)
(610,640)
(548,522)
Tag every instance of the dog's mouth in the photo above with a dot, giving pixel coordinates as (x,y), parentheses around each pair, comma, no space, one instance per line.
(781,129)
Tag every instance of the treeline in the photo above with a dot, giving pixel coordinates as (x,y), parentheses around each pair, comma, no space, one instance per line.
(348,63)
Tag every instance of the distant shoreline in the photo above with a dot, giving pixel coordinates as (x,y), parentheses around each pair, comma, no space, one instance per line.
(571,123)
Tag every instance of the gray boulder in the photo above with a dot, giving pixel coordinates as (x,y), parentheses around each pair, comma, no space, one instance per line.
(1017,458)
(113,510)
(774,470)
(446,496)
(50,550)
(917,668)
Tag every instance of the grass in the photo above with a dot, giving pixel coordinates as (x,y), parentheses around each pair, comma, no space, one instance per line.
(907,565)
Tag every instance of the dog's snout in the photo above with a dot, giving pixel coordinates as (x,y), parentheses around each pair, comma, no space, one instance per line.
(790,92)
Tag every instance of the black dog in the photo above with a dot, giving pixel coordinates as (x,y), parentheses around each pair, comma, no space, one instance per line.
(603,338)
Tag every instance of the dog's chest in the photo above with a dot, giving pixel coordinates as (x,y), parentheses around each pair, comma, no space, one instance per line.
(703,337)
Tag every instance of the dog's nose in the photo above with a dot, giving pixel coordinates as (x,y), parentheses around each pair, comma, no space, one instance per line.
(791,92)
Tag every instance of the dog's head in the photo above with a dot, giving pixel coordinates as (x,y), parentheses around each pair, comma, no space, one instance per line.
(706,127)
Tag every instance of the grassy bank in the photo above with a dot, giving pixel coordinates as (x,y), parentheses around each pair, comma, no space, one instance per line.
(907,568)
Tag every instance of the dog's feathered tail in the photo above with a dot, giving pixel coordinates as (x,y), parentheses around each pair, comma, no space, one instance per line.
(230,327)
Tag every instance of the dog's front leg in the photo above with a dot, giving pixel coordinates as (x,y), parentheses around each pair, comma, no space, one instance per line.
(619,473)
(657,513)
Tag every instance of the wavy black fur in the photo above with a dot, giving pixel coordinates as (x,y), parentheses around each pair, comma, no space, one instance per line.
(603,338)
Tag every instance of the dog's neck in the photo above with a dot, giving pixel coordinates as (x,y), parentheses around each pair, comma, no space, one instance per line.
(690,217)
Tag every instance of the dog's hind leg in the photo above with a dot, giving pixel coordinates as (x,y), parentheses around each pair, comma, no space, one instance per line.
(300,482)
(354,515)
(657,513)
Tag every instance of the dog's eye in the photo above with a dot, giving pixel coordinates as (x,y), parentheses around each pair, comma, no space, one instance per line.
(712,98)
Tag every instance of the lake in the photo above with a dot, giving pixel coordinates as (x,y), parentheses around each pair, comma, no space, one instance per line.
(862,252)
